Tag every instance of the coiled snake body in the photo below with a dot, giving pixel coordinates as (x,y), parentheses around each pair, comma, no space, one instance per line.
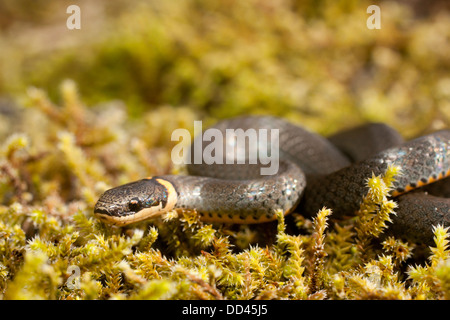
(313,172)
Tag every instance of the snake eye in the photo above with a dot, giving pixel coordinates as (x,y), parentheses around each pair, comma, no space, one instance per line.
(134,205)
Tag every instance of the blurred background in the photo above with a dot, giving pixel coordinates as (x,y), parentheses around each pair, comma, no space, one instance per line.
(314,62)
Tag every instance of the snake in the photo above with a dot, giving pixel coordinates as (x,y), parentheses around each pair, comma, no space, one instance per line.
(313,172)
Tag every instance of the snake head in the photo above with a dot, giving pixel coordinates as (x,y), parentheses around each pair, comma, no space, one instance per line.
(135,201)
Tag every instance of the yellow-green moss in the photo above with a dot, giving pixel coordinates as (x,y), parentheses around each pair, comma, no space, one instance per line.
(157,68)
(316,64)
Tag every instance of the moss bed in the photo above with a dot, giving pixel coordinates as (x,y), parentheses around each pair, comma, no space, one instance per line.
(87,112)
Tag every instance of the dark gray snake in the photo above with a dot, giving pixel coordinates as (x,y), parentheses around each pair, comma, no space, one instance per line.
(314,172)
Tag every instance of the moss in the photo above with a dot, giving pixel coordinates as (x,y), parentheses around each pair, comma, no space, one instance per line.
(316,64)
(159,67)
(50,229)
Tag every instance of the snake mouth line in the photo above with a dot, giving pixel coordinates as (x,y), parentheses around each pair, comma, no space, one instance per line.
(105,212)
(130,217)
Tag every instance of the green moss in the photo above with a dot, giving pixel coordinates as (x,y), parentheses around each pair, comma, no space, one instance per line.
(316,64)
(50,229)
(159,67)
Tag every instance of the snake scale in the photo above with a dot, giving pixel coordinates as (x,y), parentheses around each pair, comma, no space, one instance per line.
(313,172)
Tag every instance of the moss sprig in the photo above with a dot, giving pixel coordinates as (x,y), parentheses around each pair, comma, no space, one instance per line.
(318,247)
(431,279)
(290,247)
(375,209)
